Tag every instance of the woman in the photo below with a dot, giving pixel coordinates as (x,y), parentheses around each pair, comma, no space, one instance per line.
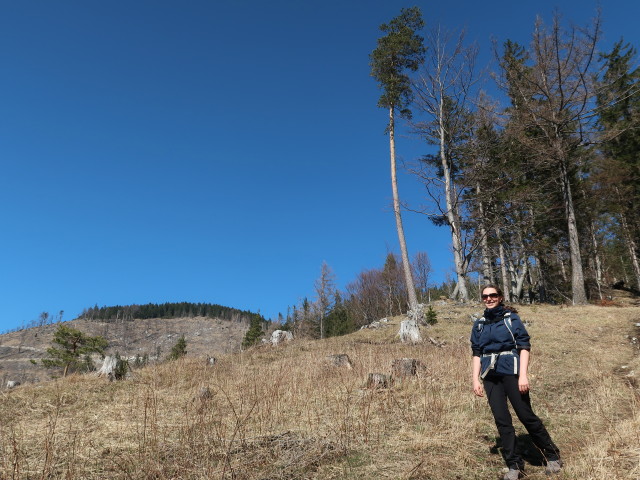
(500,345)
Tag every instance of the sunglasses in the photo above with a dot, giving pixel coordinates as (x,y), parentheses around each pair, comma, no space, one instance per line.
(489,295)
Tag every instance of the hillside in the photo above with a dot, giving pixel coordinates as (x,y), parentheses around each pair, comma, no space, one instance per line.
(281,413)
(152,336)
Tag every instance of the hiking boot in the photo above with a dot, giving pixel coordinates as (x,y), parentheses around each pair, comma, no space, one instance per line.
(512,474)
(553,467)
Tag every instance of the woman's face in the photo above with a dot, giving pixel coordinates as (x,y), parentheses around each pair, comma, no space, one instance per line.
(491,298)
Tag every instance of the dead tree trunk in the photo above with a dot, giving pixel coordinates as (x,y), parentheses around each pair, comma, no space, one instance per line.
(632,248)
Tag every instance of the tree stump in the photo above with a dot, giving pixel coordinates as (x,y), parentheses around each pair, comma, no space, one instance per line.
(378,381)
(405,367)
(409,331)
(108,367)
(339,360)
(280,336)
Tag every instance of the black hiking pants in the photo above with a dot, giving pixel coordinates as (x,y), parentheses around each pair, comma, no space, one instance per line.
(498,389)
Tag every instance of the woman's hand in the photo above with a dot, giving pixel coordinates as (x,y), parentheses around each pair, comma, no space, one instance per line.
(523,383)
(523,380)
(478,389)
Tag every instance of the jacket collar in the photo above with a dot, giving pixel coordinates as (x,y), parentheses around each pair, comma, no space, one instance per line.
(494,314)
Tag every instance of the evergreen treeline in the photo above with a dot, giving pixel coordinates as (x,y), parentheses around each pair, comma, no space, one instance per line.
(167,310)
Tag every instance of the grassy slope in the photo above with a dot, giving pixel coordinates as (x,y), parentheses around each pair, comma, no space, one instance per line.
(206,336)
(276,413)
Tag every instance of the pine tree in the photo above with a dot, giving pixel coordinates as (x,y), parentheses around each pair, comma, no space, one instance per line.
(73,347)
(254,333)
(324,287)
(339,321)
(399,50)
(431,317)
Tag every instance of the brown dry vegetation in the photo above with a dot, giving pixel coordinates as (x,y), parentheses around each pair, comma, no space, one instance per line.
(205,336)
(280,413)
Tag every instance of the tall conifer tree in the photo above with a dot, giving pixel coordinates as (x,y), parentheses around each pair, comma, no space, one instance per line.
(552,88)
(399,50)
(619,100)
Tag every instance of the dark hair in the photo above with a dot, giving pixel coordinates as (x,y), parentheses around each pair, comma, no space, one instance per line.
(495,287)
(499,290)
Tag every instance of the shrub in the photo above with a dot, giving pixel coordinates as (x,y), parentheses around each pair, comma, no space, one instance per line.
(122,367)
(431,317)
(179,349)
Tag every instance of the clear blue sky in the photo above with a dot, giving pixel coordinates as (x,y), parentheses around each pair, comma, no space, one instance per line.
(209,151)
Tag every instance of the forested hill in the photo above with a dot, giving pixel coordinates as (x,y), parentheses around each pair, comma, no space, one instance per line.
(167,310)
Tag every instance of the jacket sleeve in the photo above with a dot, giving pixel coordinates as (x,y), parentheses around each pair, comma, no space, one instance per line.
(520,333)
(475,340)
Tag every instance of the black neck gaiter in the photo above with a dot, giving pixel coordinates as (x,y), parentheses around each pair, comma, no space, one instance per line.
(496,313)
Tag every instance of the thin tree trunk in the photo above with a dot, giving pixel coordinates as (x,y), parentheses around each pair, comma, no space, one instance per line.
(520,279)
(633,249)
(503,268)
(517,279)
(579,294)
(411,290)
(595,258)
(409,330)
(542,282)
(487,271)
(453,216)
(597,262)
(624,272)
(562,268)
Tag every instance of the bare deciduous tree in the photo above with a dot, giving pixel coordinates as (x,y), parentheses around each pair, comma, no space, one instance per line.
(324,287)
(422,273)
(442,92)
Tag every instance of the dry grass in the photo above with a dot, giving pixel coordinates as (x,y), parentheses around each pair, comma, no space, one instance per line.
(280,413)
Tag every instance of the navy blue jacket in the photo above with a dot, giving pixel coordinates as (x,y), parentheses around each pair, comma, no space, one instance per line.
(490,334)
